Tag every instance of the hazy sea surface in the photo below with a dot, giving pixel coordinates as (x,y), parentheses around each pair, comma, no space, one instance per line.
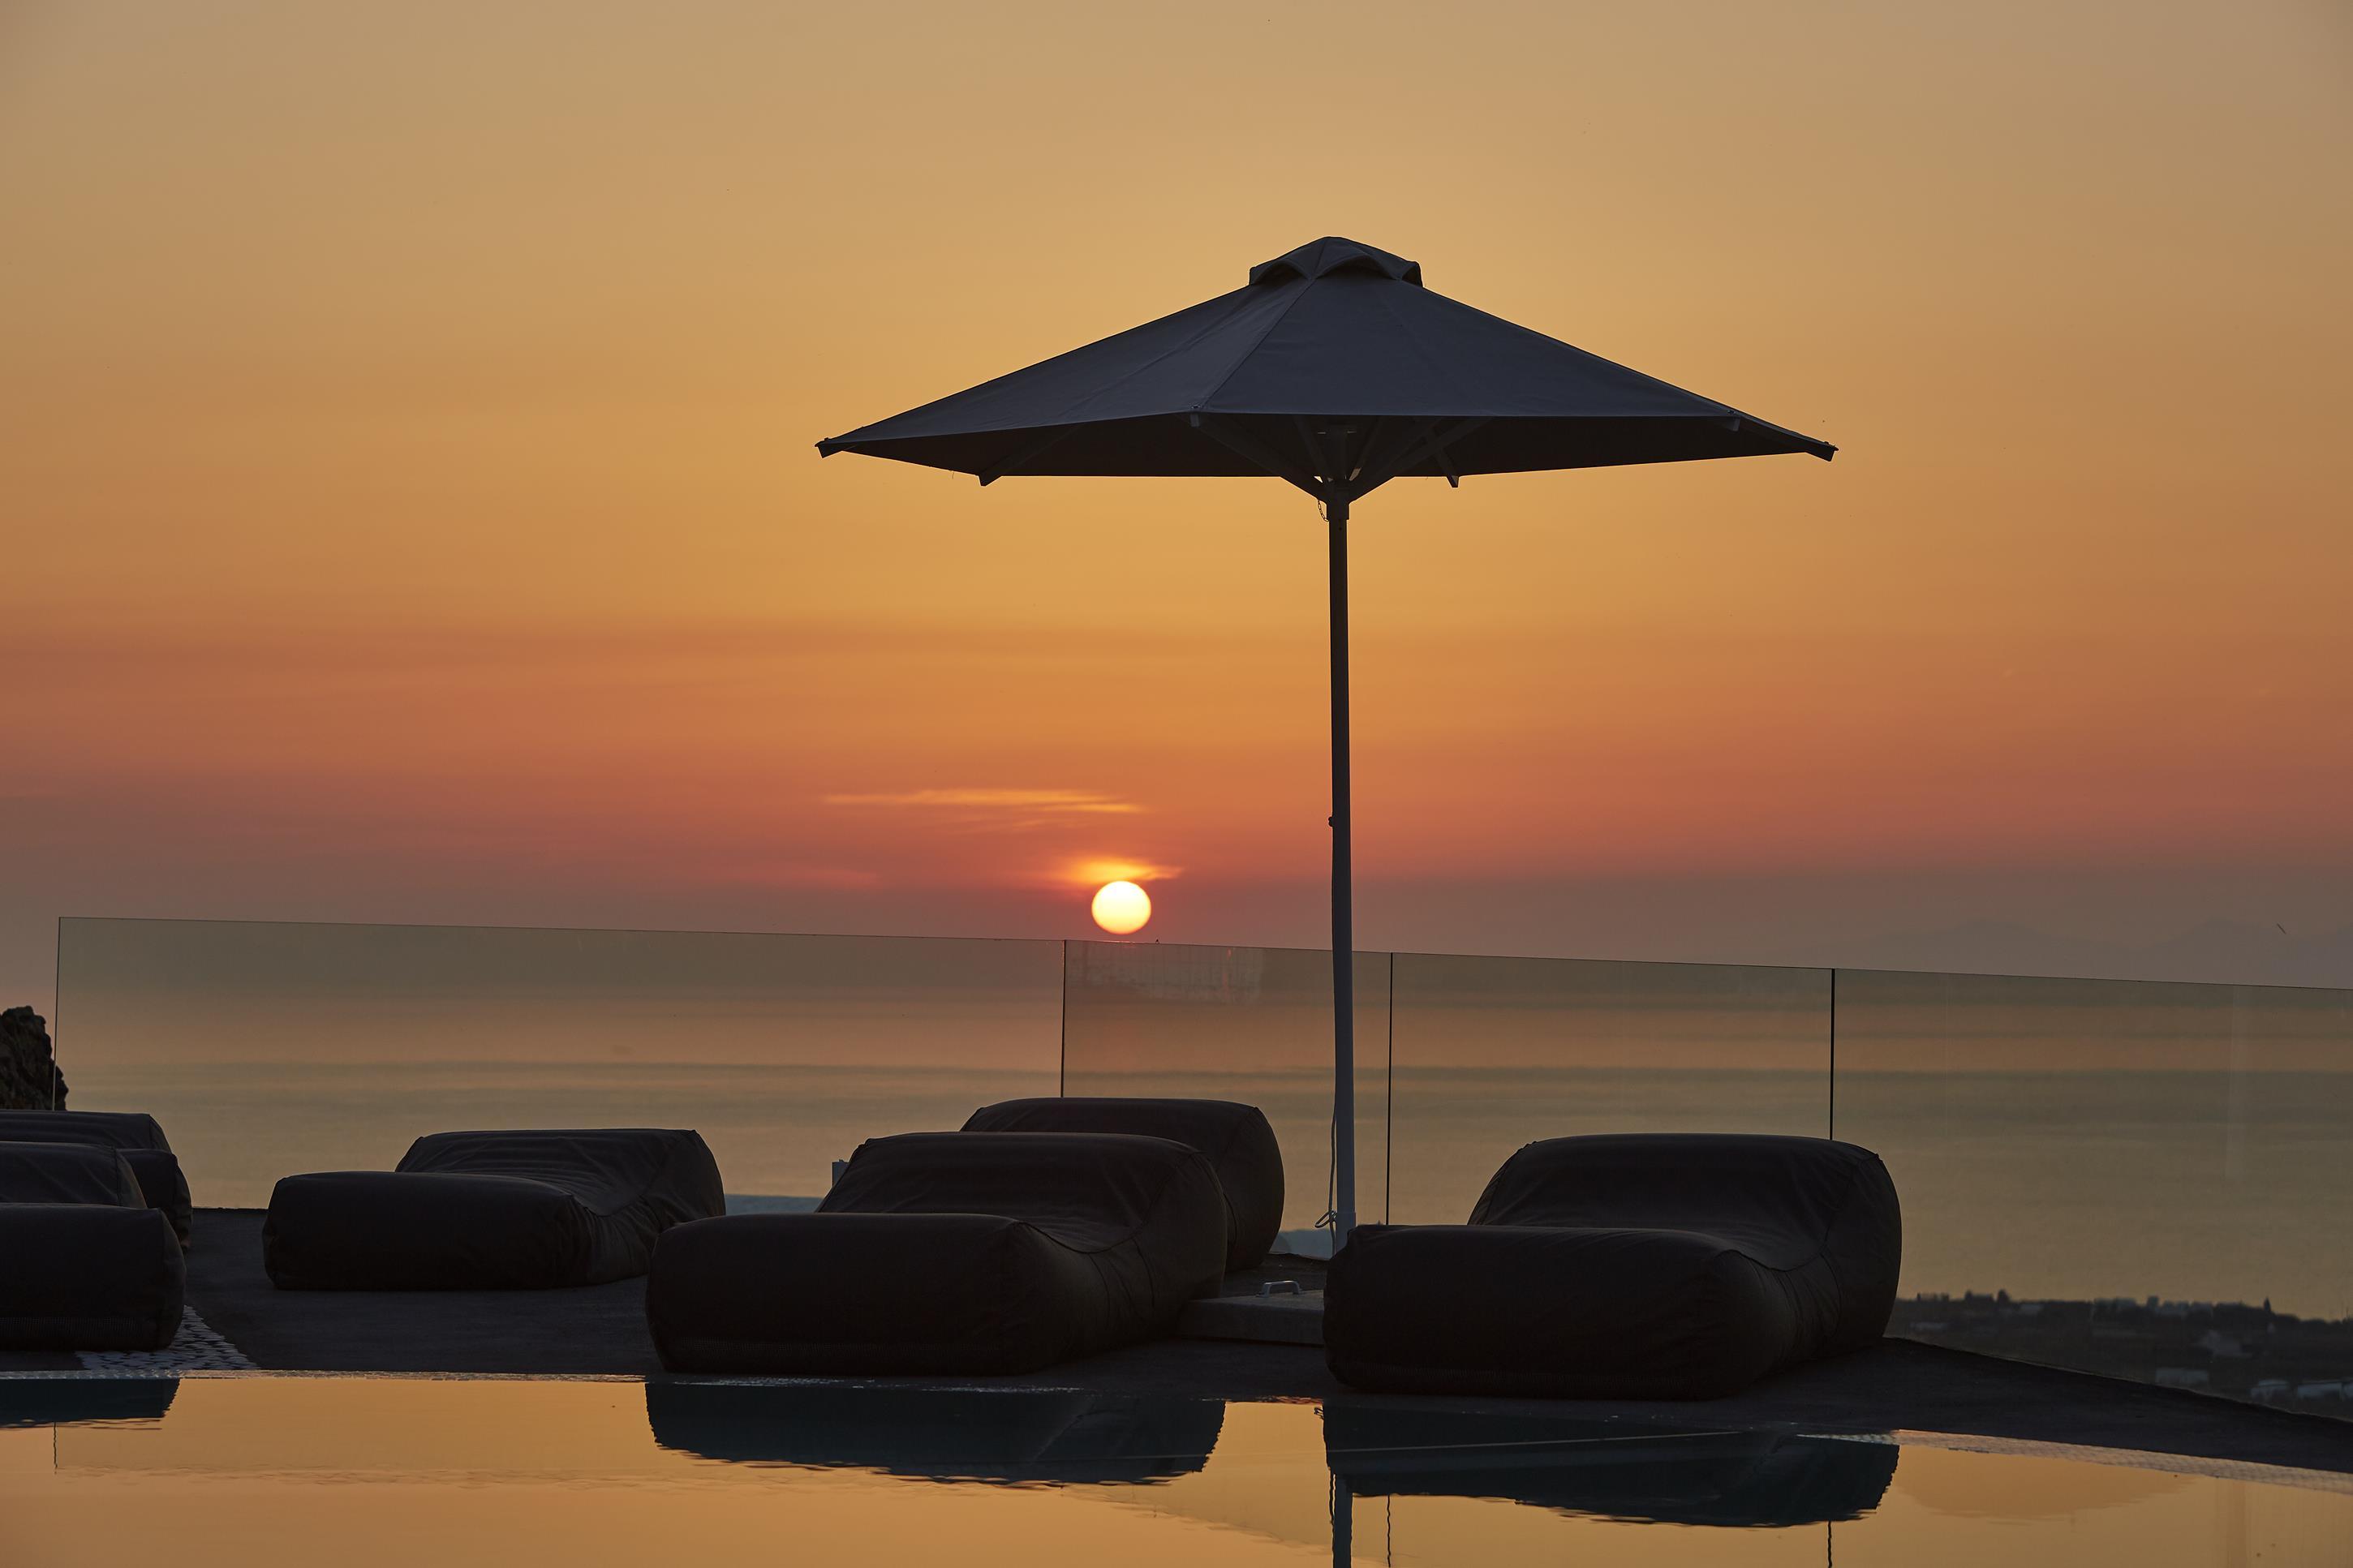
(2215,1187)
(238,1127)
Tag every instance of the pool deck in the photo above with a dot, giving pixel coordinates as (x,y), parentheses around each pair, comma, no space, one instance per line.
(1897,1385)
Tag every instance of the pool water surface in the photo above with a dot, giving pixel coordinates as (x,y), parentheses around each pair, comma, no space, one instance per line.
(360,1471)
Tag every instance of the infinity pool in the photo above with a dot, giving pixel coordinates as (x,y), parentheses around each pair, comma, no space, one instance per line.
(247,1471)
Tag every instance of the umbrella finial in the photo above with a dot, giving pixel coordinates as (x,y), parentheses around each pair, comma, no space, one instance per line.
(1331,254)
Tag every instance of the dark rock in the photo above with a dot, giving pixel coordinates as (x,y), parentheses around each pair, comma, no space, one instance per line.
(27,1069)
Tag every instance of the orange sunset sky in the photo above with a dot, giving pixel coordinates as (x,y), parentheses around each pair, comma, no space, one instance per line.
(410,507)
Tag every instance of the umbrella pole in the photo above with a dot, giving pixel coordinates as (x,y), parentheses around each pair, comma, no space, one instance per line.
(1343,991)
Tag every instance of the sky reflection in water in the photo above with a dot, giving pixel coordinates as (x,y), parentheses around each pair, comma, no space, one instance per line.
(365,1471)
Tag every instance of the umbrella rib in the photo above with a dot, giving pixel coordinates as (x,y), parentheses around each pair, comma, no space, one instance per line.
(1255,344)
(1319,461)
(1413,431)
(1812,445)
(1445,462)
(1027,453)
(1242,445)
(1437,362)
(1206,331)
(1433,446)
(1373,434)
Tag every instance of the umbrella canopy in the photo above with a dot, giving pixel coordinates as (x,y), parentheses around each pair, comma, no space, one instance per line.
(1333,368)
(1333,328)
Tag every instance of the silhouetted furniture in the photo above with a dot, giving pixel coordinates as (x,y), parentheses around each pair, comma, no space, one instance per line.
(1062,1436)
(136,1134)
(493,1210)
(1738,1479)
(1672,1265)
(949,1252)
(85,1265)
(67,1174)
(1235,1139)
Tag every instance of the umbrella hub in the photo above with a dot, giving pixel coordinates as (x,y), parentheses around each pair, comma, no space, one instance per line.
(1322,258)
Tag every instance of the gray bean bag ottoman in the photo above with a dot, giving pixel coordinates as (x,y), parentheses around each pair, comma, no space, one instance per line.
(135,1133)
(85,1265)
(1235,1139)
(949,1252)
(1670,1266)
(492,1211)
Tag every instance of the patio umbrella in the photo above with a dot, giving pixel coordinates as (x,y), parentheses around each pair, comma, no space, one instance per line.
(1335,369)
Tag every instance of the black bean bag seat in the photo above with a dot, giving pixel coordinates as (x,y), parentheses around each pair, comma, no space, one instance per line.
(492,1211)
(1057,1436)
(1670,1266)
(136,1134)
(65,1172)
(85,1265)
(1235,1139)
(949,1252)
(1585,1466)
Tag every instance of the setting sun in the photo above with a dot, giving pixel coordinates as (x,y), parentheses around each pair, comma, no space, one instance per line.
(1122,907)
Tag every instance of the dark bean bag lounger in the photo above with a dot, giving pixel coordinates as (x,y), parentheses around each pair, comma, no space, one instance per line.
(1235,1139)
(67,1173)
(85,1265)
(1671,1265)
(137,1135)
(492,1211)
(949,1252)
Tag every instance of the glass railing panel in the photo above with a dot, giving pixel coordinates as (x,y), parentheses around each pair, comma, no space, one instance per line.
(2144,1179)
(1249,1024)
(1493,1052)
(269,1049)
